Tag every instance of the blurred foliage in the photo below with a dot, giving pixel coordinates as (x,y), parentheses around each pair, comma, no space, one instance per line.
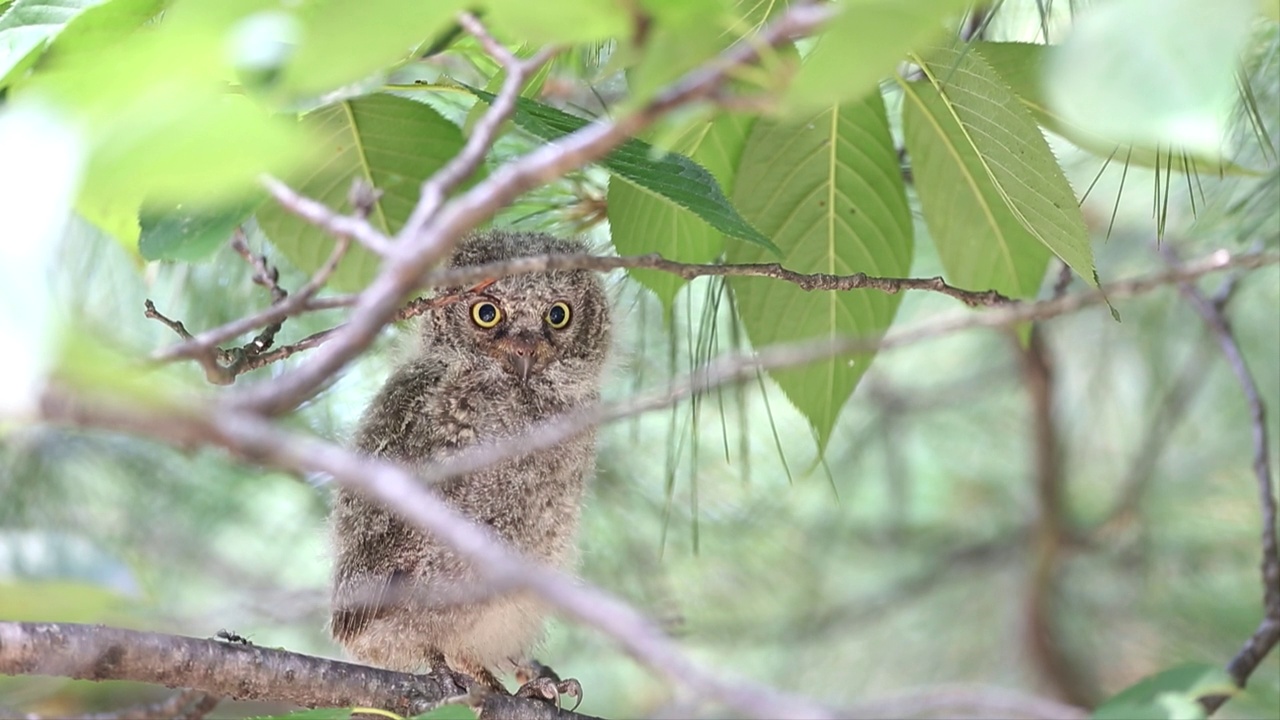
(844,549)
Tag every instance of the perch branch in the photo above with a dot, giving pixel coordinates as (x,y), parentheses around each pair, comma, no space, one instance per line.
(233,670)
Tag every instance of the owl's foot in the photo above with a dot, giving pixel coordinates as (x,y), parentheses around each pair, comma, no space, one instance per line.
(453,683)
(544,688)
(542,683)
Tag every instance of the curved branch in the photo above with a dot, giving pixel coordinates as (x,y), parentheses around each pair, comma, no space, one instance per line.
(233,670)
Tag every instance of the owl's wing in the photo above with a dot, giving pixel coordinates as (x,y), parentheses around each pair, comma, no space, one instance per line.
(376,552)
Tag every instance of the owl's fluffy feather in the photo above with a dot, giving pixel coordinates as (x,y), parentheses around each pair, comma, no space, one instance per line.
(400,598)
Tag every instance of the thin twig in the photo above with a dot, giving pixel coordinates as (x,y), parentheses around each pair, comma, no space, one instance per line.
(483,135)
(223,366)
(1267,635)
(463,276)
(352,227)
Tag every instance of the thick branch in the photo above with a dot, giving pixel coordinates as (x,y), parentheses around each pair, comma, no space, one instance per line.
(233,670)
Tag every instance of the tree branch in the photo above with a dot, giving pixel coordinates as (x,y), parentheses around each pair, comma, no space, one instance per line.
(233,670)
(464,276)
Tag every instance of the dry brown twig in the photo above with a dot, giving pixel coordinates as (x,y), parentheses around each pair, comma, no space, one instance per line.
(1267,635)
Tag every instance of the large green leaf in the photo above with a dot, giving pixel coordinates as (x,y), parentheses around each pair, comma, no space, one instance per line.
(862,46)
(1168,695)
(26,29)
(1021,65)
(1171,83)
(642,221)
(388,142)
(829,190)
(671,175)
(189,233)
(981,243)
(1013,153)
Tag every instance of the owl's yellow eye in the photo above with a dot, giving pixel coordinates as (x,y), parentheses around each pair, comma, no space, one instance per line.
(485,314)
(558,315)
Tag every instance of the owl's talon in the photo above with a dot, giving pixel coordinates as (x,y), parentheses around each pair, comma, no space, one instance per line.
(544,688)
(454,683)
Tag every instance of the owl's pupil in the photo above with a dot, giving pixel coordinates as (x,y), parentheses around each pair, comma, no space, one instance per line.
(487,312)
(556,316)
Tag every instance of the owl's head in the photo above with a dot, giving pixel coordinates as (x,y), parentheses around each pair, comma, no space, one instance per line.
(546,330)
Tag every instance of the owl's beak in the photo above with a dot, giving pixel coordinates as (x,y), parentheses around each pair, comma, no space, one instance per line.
(523,354)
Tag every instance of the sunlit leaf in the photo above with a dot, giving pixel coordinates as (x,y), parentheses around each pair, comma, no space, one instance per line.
(1172,83)
(564,21)
(1008,143)
(56,601)
(26,28)
(391,143)
(643,222)
(345,40)
(1021,65)
(980,241)
(862,46)
(671,175)
(829,190)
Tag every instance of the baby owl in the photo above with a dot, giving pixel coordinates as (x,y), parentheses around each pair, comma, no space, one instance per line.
(492,364)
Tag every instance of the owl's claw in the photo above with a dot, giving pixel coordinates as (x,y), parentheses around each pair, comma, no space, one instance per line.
(453,683)
(544,688)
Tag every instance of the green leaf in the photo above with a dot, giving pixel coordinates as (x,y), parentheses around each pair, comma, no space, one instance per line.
(1168,695)
(1172,83)
(159,123)
(673,176)
(100,26)
(191,232)
(981,244)
(59,601)
(26,29)
(862,46)
(829,190)
(1021,65)
(642,221)
(341,41)
(313,714)
(388,142)
(561,22)
(1013,153)
(449,712)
